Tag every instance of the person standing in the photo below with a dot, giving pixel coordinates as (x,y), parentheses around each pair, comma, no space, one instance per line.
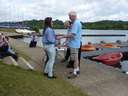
(49,39)
(67,24)
(74,42)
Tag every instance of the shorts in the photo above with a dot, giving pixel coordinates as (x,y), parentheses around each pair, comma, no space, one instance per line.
(74,53)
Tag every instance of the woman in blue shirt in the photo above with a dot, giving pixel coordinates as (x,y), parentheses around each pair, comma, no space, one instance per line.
(49,39)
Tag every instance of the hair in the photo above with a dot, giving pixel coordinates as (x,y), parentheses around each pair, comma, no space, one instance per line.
(72,13)
(67,22)
(47,23)
(6,38)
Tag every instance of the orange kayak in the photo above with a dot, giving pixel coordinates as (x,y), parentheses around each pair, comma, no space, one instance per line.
(88,47)
(109,46)
(110,58)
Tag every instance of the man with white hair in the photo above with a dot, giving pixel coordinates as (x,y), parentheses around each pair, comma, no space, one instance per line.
(74,42)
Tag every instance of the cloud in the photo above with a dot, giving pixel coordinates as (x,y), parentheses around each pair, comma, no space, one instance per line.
(88,10)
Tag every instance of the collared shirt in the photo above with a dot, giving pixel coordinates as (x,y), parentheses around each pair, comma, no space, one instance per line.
(49,36)
(76,29)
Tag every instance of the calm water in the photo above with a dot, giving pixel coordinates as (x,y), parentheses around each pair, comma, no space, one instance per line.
(93,39)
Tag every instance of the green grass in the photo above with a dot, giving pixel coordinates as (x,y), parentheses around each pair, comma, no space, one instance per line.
(7,30)
(18,82)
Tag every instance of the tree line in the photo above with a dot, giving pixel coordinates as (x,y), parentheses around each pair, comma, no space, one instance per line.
(58,24)
(99,25)
(107,25)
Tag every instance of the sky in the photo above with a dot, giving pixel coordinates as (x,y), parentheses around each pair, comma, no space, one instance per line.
(87,10)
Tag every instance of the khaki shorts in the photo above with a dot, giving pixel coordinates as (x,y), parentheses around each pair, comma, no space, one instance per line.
(74,53)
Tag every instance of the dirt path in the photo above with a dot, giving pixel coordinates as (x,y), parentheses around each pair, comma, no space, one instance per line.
(95,79)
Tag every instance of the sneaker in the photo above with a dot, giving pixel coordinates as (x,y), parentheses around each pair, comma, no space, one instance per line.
(53,77)
(78,72)
(72,76)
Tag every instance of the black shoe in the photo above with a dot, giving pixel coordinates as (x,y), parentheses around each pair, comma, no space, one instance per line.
(78,72)
(53,77)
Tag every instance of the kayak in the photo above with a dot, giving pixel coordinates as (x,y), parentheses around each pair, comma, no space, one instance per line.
(111,59)
(109,46)
(88,47)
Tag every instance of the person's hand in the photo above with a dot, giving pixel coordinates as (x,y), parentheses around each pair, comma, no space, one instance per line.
(59,46)
(59,37)
(65,43)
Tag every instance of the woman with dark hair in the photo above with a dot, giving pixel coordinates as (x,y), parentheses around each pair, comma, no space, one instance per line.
(49,40)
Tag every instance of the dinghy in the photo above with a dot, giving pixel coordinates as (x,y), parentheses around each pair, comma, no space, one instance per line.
(88,47)
(111,59)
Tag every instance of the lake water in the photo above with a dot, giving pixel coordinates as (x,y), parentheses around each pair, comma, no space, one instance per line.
(93,39)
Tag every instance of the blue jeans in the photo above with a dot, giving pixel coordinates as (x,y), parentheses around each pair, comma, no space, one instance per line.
(51,53)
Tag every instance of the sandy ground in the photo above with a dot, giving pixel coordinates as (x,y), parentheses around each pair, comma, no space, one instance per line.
(95,79)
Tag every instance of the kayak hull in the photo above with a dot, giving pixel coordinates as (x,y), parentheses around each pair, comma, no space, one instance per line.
(109,46)
(88,48)
(111,59)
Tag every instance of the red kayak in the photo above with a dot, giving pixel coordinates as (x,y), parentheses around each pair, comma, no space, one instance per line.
(110,58)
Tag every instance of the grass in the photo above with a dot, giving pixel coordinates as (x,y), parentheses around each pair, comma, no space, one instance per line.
(7,30)
(18,82)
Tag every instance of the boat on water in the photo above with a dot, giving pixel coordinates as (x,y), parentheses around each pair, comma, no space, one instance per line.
(111,59)
(88,47)
(109,46)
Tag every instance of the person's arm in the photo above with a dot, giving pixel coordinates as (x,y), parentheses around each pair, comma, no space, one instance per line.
(6,41)
(1,44)
(69,35)
(73,31)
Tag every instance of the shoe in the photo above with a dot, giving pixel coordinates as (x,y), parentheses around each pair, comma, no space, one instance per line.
(72,76)
(78,72)
(53,77)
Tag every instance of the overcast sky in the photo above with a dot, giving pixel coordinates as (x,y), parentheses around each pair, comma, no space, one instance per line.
(88,10)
